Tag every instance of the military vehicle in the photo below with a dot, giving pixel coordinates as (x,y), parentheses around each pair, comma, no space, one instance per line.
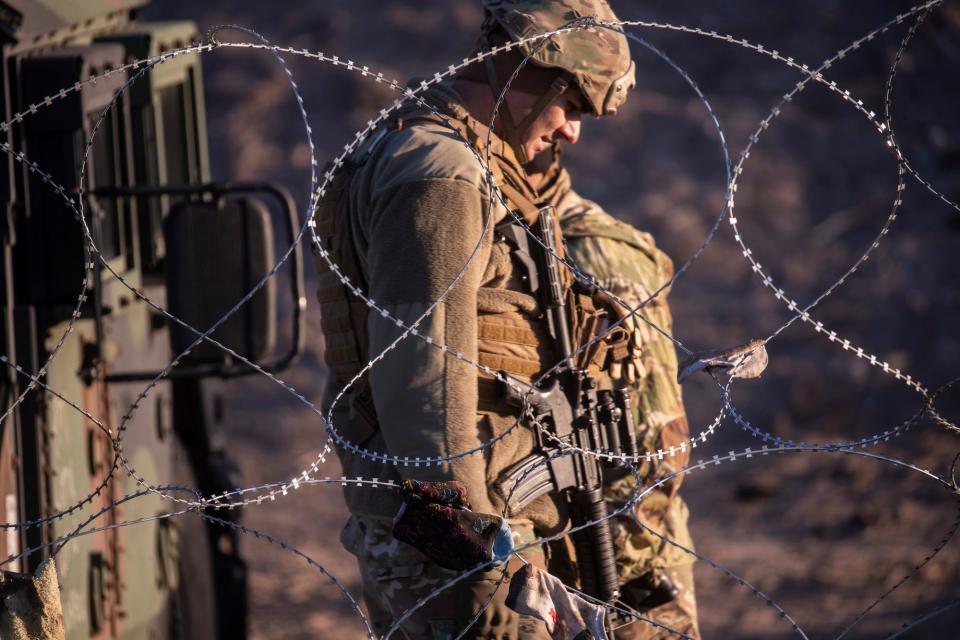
(190,245)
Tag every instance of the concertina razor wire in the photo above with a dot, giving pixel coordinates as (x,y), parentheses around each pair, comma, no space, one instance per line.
(197,503)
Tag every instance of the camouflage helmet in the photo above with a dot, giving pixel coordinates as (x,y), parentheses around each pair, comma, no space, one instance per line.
(597,58)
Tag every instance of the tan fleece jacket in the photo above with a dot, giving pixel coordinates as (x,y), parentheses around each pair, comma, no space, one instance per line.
(417,209)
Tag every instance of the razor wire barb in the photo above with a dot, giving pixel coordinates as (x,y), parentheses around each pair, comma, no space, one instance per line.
(95,262)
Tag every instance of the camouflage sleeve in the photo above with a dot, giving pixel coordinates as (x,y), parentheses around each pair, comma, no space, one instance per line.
(627,262)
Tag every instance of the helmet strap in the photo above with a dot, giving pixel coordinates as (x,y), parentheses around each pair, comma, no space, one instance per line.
(557,88)
(514,133)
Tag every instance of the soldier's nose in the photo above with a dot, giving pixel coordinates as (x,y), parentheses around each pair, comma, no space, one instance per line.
(570,131)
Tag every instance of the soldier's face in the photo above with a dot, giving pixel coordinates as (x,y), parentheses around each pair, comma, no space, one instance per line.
(559,121)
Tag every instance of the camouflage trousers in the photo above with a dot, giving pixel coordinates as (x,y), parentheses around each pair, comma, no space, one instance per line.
(639,551)
(396,576)
(679,616)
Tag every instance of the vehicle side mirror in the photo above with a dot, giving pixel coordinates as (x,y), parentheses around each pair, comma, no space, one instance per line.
(220,244)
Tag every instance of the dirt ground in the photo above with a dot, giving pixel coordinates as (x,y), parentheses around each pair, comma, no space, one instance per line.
(822,534)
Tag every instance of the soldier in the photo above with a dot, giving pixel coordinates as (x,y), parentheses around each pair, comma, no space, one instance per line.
(403,218)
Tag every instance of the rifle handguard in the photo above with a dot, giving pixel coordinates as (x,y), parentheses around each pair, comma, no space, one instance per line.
(596,560)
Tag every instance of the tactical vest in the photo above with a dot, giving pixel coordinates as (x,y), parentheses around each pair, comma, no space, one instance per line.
(508,340)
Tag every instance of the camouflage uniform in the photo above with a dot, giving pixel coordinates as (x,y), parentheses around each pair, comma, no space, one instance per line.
(426,403)
(404,219)
(396,576)
(627,262)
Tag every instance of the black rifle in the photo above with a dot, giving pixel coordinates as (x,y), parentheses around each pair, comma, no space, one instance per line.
(575,414)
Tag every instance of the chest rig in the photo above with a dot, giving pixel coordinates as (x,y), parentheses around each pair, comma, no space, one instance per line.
(515,340)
